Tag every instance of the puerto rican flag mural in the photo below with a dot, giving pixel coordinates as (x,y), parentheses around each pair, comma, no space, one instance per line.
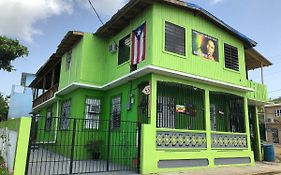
(138,44)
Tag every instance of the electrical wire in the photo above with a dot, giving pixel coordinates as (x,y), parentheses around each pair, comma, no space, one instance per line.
(97,14)
(99,18)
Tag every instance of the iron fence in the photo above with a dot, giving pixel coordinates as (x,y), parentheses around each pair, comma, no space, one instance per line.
(82,146)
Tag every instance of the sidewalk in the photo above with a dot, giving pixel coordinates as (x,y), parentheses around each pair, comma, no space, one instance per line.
(261,168)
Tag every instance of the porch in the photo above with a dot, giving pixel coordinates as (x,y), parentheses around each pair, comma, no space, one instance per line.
(196,126)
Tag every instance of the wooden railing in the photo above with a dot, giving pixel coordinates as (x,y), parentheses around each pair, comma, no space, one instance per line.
(260,91)
(46,96)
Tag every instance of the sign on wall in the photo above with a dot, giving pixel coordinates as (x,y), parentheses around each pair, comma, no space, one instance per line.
(204,46)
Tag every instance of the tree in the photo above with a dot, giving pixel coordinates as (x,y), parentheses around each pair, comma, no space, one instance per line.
(10,50)
(4,107)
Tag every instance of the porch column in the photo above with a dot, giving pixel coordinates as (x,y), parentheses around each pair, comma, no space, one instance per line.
(148,159)
(44,84)
(53,77)
(247,129)
(208,120)
(262,82)
(247,124)
(257,135)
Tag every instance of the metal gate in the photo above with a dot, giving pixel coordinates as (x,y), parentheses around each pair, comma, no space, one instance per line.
(76,146)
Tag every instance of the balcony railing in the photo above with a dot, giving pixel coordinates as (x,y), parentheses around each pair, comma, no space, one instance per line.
(46,96)
(260,91)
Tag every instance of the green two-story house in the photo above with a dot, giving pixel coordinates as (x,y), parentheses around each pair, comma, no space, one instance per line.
(162,86)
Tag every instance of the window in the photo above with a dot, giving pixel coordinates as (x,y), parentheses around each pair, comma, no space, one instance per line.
(227,112)
(124,49)
(65,115)
(165,112)
(278,113)
(68,60)
(116,112)
(179,106)
(48,122)
(174,38)
(92,113)
(231,57)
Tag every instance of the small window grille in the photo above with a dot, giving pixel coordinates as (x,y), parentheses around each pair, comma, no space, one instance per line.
(65,115)
(48,122)
(92,113)
(116,112)
(231,57)
(68,60)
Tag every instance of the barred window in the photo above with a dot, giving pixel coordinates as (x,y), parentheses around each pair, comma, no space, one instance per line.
(65,115)
(278,113)
(180,106)
(48,122)
(116,112)
(231,57)
(174,38)
(92,113)
(227,112)
(165,112)
(124,49)
(68,60)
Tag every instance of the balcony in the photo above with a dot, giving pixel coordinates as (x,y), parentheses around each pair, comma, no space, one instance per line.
(260,91)
(46,96)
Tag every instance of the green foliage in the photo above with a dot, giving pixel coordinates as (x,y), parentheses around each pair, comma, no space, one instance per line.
(3,107)
(10,50)
(3,168)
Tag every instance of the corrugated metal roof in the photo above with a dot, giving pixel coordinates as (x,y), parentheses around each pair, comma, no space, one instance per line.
(133,7)
(251,42)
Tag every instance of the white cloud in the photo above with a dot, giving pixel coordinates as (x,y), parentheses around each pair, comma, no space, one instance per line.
(19,16)
(104,7)
(216,1)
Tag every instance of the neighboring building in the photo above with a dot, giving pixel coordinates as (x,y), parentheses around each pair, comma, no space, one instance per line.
(273,122)
(189,93)
(21,98)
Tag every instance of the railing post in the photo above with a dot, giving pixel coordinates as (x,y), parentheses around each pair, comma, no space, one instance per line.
(72,146)
(139,145)
(108,145)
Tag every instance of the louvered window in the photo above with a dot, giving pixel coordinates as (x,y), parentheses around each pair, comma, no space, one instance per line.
(116,112)
(231,57)
(174,38)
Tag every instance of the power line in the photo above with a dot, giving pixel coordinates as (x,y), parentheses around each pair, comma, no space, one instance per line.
(277,90)
(97,14)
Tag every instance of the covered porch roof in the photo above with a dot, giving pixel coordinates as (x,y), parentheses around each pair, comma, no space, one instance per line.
(255,60)
(69,40)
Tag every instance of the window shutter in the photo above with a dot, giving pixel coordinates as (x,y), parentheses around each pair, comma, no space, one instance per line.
(231,57)
(174,38)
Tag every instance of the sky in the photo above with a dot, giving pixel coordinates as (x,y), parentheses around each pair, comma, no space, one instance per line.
(41,25)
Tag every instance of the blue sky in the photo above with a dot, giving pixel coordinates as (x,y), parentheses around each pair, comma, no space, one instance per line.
(41,25)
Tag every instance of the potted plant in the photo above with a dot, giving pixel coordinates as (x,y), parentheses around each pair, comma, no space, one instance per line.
(94,148)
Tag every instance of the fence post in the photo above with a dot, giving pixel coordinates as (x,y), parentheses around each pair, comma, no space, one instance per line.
(29,144)
(108,145)
(72,146)
(139,145)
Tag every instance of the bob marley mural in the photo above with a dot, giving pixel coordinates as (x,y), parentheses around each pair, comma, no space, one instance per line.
(204,46)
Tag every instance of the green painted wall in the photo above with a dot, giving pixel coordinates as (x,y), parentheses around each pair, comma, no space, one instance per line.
(72,75)
(190,63)
(22,127)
